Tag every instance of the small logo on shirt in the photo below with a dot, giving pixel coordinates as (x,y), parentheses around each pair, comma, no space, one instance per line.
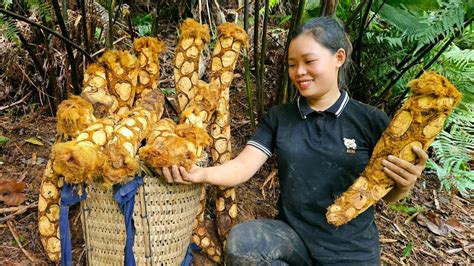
(350,145)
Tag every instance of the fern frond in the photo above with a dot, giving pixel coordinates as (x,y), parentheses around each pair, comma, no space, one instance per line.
(43,8)
(453,149)
(8,29)
(425,28)
(6,3)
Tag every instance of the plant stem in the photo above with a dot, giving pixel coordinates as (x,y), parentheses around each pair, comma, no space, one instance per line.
(248,87)
(284,94)
(358,45)
(262,61)
(32,54)
(110,35)
(246,15)
(81,4)
(65,10)
(65,39)
(427,66)
(373,15)
(255,53)
(328,7)
(248,82)
(355,13)
(74,73)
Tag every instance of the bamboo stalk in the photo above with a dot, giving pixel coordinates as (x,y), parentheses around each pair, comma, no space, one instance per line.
(256,55)
(261,68)
(248,86)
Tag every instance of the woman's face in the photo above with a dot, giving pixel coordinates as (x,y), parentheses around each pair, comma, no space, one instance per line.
(313,68)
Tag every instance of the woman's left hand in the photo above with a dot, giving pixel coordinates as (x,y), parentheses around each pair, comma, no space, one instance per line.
(405,173)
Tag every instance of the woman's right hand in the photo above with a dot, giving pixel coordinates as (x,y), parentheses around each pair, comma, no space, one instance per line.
(178,174)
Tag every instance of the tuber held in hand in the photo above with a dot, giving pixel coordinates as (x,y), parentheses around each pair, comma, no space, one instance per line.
(416,123)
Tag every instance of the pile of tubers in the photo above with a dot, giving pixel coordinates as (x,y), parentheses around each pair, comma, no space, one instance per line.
(116,123)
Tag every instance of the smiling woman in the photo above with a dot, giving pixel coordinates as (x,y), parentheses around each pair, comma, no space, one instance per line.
(323,141)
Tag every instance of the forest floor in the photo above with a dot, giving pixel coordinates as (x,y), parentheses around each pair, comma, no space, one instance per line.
(430,226)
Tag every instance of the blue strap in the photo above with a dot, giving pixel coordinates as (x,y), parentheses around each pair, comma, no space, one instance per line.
(188,259)
(125,197)
(69,197)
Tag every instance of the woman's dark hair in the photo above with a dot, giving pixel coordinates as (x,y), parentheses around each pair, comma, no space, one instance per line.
(330,33)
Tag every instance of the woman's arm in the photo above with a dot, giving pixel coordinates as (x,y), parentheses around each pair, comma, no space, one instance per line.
(228,174)
(404,174)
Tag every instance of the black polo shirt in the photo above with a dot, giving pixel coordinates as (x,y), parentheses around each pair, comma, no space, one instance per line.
(319,155)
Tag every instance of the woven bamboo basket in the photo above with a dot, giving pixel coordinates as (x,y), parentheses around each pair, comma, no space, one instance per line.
(163,216)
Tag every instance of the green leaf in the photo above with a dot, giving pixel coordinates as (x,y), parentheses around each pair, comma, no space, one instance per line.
(414,6)
(35,141)
(168,91)
(402,207)
(408,248)
(3,140)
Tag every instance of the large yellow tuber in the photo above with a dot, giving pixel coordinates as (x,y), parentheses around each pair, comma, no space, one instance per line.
(48,213)
(121,160)
(226,52)
(417,123)
(81,159)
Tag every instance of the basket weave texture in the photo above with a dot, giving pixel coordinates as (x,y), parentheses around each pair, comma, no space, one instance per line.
(163,216)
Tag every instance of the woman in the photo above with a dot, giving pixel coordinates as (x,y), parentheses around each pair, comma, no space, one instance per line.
(323,141)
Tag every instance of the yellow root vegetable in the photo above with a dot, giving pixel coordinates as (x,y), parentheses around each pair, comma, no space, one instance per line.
(225,55)
(186,63)
(95,91)
(74,115)
(148,50)
(120,154)
(48,213)
(417,123)
(81,159)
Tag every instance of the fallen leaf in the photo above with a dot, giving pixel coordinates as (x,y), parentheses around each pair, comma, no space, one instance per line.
(454,224)
(11,193)
(35,141)
(437,225)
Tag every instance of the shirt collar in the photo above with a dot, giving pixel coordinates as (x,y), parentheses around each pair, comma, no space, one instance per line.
(336,108)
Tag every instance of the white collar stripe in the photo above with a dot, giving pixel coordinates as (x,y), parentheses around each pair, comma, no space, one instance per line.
(344,103)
